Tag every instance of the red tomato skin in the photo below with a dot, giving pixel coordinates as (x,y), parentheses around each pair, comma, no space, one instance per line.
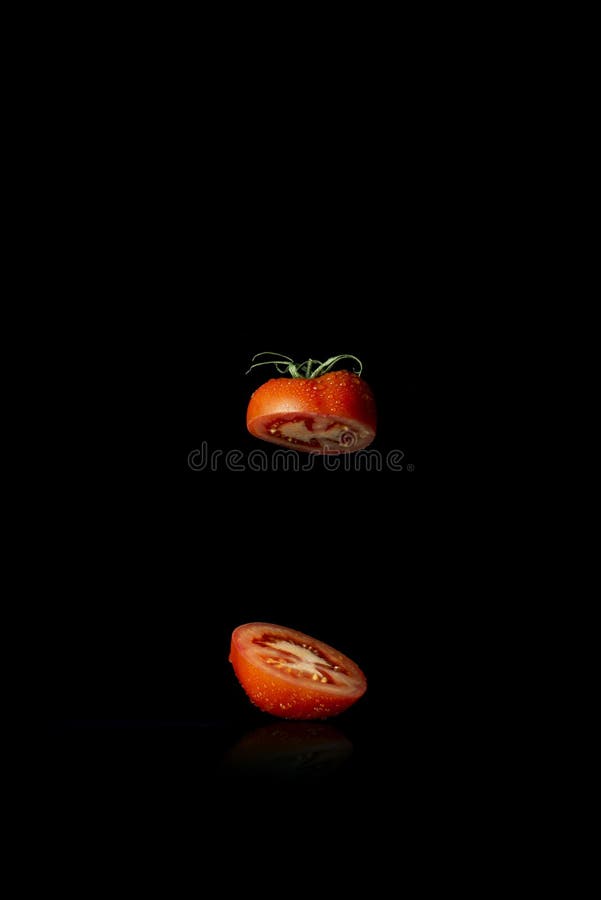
(274,695)
(340,395)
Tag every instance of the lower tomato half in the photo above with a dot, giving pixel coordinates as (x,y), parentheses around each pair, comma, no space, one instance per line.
(292,675)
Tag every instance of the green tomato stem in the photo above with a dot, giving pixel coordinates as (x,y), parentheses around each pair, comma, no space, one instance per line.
(286,366)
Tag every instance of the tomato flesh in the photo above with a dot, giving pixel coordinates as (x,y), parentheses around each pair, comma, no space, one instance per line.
(292,675)
(320,434)
(334,413)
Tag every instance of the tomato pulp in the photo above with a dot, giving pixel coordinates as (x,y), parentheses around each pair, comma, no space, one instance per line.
(333,413)
(292,675)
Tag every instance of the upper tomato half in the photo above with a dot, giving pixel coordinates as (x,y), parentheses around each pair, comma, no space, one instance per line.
(333,413)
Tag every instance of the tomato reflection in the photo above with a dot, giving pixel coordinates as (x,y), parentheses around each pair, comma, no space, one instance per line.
(289,750)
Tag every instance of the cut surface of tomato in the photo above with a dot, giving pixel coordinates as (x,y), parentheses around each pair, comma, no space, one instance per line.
(334,413)
(292,675)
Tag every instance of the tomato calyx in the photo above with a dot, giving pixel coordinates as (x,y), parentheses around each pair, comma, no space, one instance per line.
(286,366)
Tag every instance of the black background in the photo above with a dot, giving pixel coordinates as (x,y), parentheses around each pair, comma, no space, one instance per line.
(260,222)
(199,196)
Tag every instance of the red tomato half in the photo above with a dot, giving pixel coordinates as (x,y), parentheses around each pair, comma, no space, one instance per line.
(333,413)
(291,675)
